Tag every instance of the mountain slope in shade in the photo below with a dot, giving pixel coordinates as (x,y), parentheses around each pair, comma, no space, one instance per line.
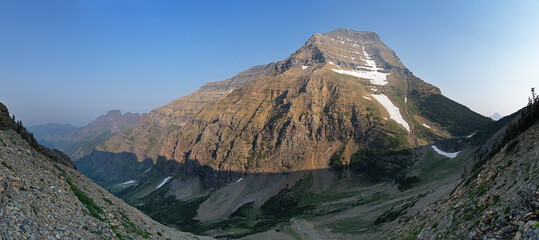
(79,142)
(496,116)
(496,201)
(42,199)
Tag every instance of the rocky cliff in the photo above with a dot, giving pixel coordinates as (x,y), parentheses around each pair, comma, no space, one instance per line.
(146,140)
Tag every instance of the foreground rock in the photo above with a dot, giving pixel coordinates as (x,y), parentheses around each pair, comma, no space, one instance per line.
(500,200)
(41,198)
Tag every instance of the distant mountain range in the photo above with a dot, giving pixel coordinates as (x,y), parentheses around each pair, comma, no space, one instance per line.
(79,142)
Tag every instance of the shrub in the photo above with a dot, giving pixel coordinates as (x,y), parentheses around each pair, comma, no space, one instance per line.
(87,201)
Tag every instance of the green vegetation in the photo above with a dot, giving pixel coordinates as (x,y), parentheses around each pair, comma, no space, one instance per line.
(416,231)
(528,117)
(456,118)
(353,225)
(160,209)
(380,163)
(95,210)
(130,227)
(61,170)
(337,161)
(107,200)
(297,201)
(6,165)
(396,211)
(408,182)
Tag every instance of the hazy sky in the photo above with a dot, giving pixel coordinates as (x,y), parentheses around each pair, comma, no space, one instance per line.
(68,61)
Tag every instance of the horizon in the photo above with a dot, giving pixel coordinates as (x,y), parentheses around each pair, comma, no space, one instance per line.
(70,62)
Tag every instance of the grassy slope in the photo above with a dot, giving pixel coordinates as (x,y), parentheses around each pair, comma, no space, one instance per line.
(455,117)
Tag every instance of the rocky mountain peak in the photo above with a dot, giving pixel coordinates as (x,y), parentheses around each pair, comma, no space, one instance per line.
(350,34)
(346,49)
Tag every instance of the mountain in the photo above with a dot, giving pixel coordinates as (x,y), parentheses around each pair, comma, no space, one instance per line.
(115,161)
(41,198)
(338,133)
(49,133)
(498,199)
(147,138)
(79,142)
(496,116)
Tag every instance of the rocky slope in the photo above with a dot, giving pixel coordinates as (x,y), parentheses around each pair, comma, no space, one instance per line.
(41,198)
(79,142)
(499,199)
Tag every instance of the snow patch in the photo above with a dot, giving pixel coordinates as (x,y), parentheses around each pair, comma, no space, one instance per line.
(394,112)
(449,155)
(368,98)
(304,67)
(471,135)
(425,125)
(128,182)
(331,63)
(147,170)
(239,180)
(385,119)
(405,99)
(164,181)
(368,72)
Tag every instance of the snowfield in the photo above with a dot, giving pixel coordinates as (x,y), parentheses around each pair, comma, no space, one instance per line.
(128,182)
(368,72)
(425,125)
(163,182)
(449,155)
(394,112)
(304,67)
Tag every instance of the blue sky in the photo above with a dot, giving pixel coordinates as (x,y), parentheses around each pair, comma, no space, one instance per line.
(68,61)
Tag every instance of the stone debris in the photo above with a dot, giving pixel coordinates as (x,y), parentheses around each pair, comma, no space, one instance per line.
(38,202)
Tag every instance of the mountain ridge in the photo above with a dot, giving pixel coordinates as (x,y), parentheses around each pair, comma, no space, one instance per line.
(79,142)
